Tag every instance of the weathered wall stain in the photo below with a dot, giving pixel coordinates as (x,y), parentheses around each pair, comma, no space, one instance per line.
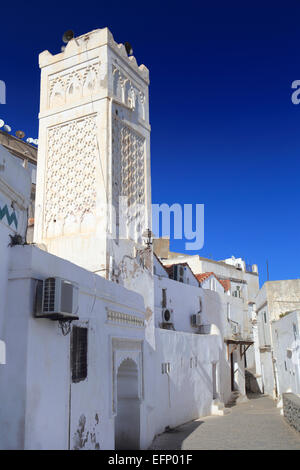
(86,439)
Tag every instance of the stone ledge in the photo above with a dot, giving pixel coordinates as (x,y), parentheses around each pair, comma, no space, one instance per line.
(291,409)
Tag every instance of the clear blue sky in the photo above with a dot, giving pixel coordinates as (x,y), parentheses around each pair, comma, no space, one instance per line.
(224,130)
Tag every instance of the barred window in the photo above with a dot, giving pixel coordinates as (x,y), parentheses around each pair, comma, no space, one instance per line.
(79,341)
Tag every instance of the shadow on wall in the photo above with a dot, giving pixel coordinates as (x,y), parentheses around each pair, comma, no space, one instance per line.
(252,386)
(173,438)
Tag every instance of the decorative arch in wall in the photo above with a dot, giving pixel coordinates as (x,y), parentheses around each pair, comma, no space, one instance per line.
(127,420)
(127,391)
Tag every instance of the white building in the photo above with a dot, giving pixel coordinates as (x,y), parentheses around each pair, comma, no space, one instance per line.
(274,300)
(236,286)
(108,379)
(15,185)
(286,342)
(202,306)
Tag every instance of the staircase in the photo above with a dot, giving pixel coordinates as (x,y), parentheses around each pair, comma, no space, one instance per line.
(236,397)
(218,408)
(233,399)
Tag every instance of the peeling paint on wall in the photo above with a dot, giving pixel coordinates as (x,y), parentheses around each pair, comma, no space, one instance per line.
(84,439)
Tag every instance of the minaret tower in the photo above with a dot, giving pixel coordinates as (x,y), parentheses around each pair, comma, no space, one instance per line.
(93,199)
(94,146)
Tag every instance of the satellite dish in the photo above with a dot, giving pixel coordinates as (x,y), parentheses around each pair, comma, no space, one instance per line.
(7,128)
(29,140)
(36,141)
(68,35)
(1,123)
(20,134)
(128,48)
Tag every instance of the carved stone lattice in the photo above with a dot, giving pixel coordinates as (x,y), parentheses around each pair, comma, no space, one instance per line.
(128,170)
(71,169)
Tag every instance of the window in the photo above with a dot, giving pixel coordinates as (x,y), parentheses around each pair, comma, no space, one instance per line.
(228,311)
(164,298)
(79,340)
(265,317)
(165,368)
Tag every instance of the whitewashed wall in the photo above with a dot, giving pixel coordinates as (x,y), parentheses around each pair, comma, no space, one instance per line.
(183,299)
(185,391)
(213,284)
(37,398)
(15,184)
(286,340)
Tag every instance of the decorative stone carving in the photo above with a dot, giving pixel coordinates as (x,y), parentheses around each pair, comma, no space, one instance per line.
(71,167)
(128,171)
(126,92)
(125,319)
(74,84)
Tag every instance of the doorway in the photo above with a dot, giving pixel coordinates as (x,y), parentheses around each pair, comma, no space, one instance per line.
(127,420)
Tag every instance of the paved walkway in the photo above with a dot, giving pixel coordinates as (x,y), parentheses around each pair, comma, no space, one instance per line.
(256,424)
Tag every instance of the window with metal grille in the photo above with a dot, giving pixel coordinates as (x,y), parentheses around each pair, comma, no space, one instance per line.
(164,298)
(79,342)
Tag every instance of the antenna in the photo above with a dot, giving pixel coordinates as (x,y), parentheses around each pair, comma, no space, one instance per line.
(128,48)
(20,134)
(68,35)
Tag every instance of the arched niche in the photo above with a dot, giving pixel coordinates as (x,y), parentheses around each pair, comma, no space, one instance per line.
(127,419)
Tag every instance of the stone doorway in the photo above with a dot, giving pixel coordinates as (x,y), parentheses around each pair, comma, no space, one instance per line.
(127,420)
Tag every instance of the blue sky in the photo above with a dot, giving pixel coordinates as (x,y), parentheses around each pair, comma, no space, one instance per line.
(224,130)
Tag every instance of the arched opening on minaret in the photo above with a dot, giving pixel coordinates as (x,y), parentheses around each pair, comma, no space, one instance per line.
(127,421)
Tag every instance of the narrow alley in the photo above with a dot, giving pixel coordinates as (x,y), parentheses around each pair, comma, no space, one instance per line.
(253,425)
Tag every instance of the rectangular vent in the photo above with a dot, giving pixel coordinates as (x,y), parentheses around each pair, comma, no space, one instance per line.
(49,295)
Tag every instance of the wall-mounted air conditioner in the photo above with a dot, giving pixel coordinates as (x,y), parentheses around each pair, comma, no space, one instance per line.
(167,315)
(56,299)
(196,319)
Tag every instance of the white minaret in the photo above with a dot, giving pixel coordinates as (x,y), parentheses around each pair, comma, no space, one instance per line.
(94,147)
(94,140)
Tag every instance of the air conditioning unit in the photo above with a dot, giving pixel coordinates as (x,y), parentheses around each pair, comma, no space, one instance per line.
(196,319)
(167,315)
(56,299)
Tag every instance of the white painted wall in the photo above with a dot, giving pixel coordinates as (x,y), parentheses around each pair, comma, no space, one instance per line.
(186,391)
(225,271)
(286,339)
(183,299)
(42,409)
(213,284)
(15,187)
(158,269)
(35,389)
